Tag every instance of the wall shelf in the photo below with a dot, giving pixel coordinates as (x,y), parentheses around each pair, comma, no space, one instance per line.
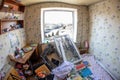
(9,20)
(6,23)
(12,7)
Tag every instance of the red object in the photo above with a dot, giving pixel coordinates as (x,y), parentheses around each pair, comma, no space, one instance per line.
(41,75)
(80,66)
(19,66)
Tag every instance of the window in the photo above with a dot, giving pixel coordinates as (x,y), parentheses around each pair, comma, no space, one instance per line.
(57,22)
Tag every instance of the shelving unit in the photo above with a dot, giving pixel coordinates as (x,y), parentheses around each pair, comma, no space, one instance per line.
(8,20)
(5,23)
(17,6)
(11,7)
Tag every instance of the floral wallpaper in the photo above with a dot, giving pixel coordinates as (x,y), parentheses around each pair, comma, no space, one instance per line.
(105,34)
(33,20)
(8,42)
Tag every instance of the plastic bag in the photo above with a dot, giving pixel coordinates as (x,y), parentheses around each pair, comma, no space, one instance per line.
(62,70)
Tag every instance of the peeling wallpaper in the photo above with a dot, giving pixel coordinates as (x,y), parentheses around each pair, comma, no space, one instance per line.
(105,34)
(8,42)
(33,21)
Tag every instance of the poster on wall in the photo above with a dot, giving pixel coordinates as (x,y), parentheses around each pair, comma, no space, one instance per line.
(14,42)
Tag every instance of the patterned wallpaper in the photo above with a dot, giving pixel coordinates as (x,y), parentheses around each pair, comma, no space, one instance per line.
(105,34)
(32,20)
(8,42)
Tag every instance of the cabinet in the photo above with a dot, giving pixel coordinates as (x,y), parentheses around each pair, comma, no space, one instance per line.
(83,47)
(12,16)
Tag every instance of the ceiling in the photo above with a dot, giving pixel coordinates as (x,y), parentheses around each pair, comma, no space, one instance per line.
(77,2)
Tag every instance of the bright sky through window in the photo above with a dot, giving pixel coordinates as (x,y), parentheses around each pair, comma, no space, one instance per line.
(57,22)
(58,17)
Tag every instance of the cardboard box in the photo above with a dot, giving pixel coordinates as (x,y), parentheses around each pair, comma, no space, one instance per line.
(43,68)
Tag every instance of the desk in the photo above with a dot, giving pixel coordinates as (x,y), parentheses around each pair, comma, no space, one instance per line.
(26,56)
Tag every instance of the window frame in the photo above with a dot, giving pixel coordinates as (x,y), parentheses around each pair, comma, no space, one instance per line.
(74,15)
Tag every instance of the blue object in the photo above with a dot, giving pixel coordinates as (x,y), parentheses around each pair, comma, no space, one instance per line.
(86,63)
(85,72)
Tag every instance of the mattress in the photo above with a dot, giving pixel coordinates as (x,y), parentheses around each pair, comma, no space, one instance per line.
(98,72)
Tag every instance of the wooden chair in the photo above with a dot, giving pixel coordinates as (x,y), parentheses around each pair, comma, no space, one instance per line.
(12,75)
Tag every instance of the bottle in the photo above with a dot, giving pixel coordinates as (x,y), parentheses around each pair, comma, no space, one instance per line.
(21,53)
(16,51)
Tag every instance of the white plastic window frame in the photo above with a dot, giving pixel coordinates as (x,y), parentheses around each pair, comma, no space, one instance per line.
(59,9)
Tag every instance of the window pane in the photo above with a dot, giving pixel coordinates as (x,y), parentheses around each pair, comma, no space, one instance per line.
(58,17)
(56,23)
